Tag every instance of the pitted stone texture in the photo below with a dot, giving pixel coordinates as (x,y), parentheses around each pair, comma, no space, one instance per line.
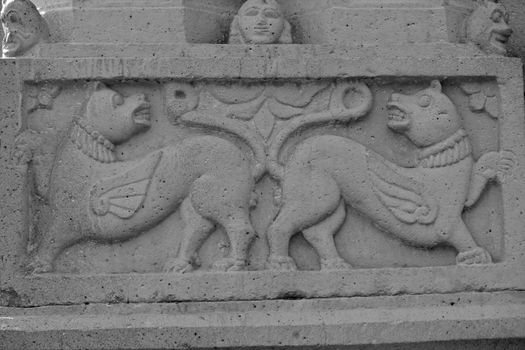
(517,23)
(240,100)
(374,22)
(466,321)
(488,28)
(136,21)
(23,28)
(260,22)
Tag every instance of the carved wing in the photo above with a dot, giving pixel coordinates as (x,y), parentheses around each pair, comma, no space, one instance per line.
(404,197)
(122,195)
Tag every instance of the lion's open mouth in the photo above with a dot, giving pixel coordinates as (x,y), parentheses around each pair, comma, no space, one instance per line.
(397,117)
(142,114)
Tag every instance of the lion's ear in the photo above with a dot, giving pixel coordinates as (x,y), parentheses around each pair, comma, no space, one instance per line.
(436,85)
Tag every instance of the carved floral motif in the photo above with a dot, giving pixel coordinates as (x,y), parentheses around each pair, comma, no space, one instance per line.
(251,112)
(482,98)
(41,97)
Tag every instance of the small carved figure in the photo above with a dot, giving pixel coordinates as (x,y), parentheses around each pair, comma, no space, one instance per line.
(23,27)
(488,27)
(420,205)
(260,22)
(94,195)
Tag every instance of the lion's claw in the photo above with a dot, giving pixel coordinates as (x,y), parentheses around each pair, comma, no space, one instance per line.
(281,263)
(477,255)
(335,264)
(38,265)
(178,266)
(229,264)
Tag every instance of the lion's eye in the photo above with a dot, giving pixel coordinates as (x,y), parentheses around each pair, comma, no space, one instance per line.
(118,100)
(496,16)
(425,101)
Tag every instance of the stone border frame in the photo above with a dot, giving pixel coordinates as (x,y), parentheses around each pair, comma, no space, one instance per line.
(17,289)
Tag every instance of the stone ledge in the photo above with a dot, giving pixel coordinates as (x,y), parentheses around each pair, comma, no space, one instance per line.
(48,289)
(152,50)
(413,320)
(254,65)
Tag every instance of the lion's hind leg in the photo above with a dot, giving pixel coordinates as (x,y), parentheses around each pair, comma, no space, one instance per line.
(60,236)
(309,199)
(196,230)
(469,252)
(241,234)
(321,237)
(224,198)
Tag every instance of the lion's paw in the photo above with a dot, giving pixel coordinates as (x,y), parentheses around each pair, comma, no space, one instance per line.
(335,264)
(178,266)
(229,264)
(477,255)
(39,265)
(281,263)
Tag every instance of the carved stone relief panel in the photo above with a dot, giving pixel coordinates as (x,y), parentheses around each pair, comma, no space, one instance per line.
(220,175)
(176,186)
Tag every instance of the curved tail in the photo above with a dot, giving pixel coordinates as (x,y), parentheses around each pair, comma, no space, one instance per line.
(337,112)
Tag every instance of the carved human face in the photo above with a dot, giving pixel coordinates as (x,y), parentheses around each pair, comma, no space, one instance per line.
(488,27)
(116,117)
(425,118)
(261,22)
(23,27)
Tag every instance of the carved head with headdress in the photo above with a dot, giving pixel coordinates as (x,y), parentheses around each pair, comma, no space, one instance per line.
(488,27)
(23,27)
(260,22)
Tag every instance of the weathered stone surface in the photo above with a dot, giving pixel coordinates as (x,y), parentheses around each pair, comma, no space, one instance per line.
(23,28)
(155,21)
(517,40)
(375,22)
(382,171)
(452,321)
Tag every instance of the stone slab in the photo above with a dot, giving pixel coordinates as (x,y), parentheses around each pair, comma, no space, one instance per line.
(19,289)
(450,321)
(151,188)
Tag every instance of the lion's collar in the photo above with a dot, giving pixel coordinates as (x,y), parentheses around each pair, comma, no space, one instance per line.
(447,152)
(92,143)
